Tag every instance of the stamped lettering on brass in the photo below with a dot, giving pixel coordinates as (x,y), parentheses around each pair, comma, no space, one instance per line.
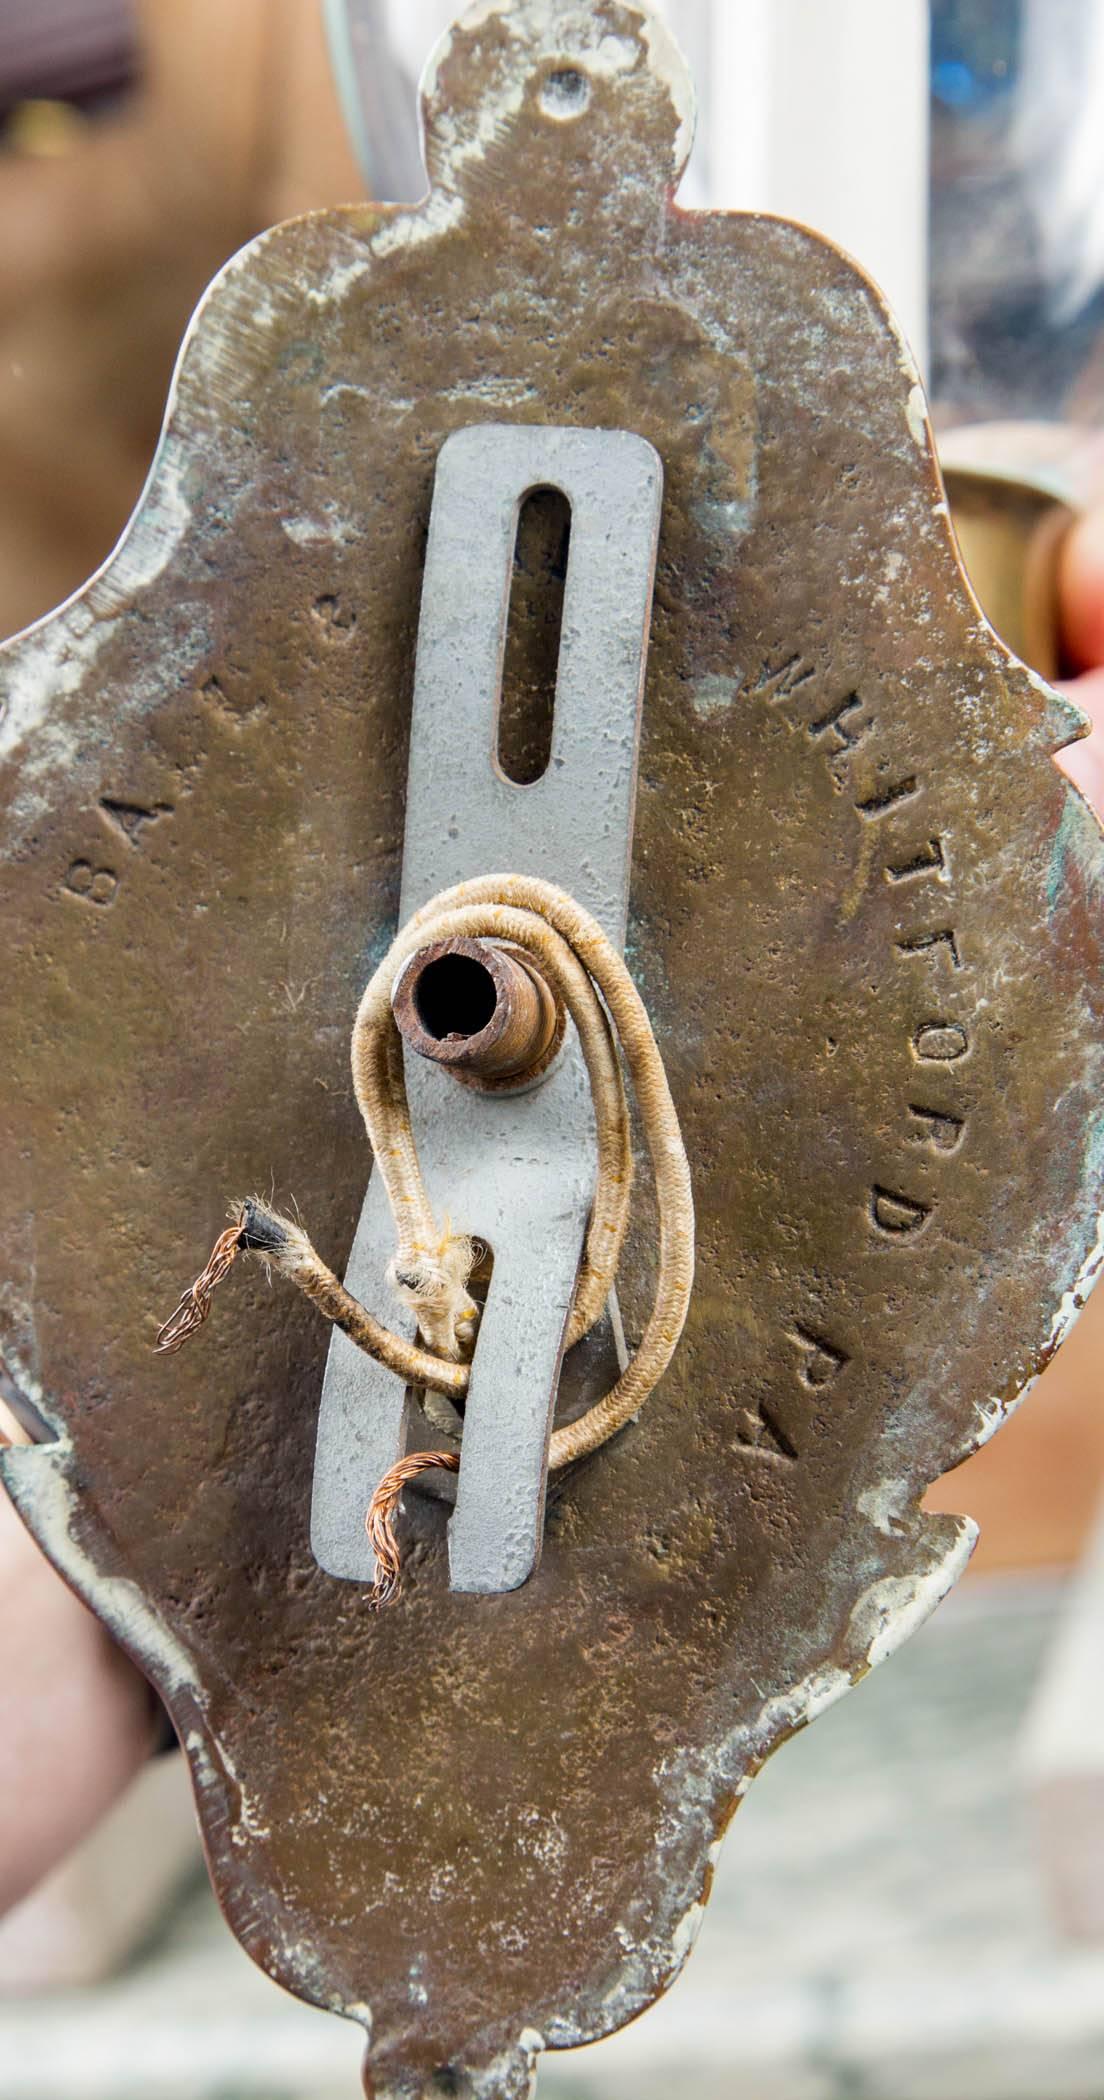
(335,617)
(821,1361)
(91,885)
(931,861)
(776,682)
(931,943)
(839,722)
(940,1043)
(131,818)
(895,1215)
(759,1430)
(941,1131)
(884,799)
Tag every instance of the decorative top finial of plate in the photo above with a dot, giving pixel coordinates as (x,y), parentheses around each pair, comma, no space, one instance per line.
(588,95)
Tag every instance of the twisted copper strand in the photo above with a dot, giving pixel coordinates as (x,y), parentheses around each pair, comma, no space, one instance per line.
(383,1509)
(195,1303)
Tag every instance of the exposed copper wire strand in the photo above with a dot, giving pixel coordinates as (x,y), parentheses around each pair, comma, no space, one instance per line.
(195,1304)
(383,1509)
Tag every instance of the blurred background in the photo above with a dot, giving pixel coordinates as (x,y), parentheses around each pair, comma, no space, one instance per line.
(913,1905)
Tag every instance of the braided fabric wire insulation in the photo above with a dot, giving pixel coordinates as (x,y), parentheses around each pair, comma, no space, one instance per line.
(430,1268)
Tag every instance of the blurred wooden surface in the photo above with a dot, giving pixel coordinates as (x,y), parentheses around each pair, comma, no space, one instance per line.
(1036,1487)
(109,239)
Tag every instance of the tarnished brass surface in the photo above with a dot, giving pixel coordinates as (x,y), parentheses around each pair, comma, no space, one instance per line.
(866,919)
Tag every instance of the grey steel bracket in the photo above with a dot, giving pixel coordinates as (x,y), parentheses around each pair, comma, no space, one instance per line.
(516,1170)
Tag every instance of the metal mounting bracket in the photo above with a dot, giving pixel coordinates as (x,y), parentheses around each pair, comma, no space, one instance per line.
(517,1169)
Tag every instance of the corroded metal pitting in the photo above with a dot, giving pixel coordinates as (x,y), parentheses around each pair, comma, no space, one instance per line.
(866,921)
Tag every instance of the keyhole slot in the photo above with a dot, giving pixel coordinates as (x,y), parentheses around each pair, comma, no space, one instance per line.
(534,624)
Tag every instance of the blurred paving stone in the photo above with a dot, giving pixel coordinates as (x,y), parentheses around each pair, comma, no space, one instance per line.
(1064,1755)
(193,2021)
(877,1932)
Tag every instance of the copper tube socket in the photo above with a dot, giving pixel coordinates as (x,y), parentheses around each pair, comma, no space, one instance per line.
(479,1007)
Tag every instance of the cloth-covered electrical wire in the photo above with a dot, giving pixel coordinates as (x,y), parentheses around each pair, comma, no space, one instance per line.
(431,1265)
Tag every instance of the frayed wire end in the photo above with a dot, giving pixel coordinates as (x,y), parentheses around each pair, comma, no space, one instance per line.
(195,1304)
(267,1233)
(254,1229)
(382,1514)
(432,1282)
